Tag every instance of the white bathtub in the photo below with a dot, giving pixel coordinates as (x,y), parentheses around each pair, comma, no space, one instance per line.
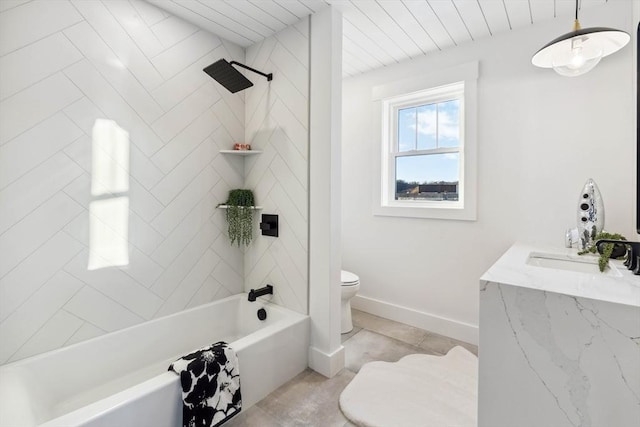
(121,379)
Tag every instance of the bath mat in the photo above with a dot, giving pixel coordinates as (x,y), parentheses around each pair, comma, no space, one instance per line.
(210,382)
(418,390)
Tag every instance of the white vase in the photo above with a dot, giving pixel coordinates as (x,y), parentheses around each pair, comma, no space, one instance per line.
(590,214)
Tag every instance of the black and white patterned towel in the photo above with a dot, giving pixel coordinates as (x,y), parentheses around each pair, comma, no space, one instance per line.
(210,385)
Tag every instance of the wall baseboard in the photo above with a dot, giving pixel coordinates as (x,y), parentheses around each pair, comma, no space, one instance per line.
(440,325)
(326,364)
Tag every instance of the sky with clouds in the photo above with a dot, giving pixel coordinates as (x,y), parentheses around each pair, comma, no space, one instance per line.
(427,127)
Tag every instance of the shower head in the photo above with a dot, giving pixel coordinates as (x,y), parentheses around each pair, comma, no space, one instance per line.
(224,73)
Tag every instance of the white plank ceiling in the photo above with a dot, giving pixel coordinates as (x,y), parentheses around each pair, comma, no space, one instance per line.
(376,33)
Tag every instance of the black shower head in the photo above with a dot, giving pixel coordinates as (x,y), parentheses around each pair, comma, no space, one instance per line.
(224,73)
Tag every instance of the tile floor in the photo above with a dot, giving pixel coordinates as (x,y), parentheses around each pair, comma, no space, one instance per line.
(310,399)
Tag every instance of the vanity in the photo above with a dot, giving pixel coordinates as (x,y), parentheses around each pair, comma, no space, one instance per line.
(559,341)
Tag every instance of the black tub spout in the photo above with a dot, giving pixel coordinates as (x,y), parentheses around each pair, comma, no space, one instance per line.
(255,293)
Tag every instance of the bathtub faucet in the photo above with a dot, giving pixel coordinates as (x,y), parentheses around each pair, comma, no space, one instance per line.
(255,293)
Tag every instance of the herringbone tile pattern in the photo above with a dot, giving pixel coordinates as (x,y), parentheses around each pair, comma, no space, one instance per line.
(64,64)
(277,122)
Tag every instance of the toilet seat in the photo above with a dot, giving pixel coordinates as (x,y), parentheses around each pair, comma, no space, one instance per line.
(348,278)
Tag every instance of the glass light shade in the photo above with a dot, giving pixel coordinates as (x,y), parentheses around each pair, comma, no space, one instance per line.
(577,52)
(575,56)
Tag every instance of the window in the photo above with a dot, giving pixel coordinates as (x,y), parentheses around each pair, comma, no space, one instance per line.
(424,146)
(427,147)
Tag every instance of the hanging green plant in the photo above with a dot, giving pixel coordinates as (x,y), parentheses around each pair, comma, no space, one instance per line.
(240,216)
(607,248)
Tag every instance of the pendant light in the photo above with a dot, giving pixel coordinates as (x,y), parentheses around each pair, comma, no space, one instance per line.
(577,52)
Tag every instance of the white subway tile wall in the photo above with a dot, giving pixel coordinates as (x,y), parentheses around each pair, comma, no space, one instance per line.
(277,122)
(64,64)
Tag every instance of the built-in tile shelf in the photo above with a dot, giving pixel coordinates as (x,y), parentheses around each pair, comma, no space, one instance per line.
(241,152)
(253,208)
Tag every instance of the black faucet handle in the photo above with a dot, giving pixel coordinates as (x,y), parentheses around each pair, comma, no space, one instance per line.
(633,253)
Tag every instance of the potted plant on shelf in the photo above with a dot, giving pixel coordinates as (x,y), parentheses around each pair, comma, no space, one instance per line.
(240,216)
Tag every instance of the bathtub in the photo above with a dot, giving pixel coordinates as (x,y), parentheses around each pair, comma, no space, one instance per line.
(121,378)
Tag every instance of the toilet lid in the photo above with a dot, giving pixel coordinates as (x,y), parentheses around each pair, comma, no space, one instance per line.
(348,278)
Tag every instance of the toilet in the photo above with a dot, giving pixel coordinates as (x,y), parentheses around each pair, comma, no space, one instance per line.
(350,287)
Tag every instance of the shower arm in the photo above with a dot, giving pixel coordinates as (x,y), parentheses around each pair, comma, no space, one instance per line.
(268,76)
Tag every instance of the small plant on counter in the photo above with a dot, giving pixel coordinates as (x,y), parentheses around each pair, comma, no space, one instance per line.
(607,248)
(240,216)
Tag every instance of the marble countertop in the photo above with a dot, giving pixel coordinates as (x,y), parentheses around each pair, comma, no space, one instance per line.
(512,269)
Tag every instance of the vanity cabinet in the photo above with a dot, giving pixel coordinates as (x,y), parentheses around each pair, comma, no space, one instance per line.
(558,346)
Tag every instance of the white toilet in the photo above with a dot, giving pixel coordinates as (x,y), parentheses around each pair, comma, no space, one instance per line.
(350,287)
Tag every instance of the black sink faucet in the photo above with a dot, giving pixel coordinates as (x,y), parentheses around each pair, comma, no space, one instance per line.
(633,253)
(255,293)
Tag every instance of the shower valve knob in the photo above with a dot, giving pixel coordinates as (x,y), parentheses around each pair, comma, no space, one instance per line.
(269,225)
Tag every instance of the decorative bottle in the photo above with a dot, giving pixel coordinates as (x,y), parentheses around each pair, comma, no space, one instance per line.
(590,214)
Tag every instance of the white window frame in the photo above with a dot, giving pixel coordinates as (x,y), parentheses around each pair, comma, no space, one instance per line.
(432,88)
(390,110)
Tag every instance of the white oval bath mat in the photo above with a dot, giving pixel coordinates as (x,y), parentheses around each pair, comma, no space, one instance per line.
(418,390)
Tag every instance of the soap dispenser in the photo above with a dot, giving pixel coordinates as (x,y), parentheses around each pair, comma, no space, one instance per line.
(590,214)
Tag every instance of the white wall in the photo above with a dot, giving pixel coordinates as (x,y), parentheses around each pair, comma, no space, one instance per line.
(326,353)
(62,66)
(277,122)
(540,137)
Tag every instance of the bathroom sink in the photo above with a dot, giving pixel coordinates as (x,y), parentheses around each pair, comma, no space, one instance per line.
(579,264)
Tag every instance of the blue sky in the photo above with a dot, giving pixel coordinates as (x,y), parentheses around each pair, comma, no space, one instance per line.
(417,130)
(435,167)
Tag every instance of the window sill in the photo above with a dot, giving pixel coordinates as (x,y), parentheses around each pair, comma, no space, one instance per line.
(428,212)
